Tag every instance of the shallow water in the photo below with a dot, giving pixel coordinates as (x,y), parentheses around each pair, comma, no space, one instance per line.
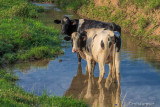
(140,73)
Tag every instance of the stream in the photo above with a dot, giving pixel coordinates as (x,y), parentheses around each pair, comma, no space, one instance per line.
(62,76)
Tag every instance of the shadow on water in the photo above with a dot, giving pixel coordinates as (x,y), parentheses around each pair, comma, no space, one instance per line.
(140,78)
(103,94)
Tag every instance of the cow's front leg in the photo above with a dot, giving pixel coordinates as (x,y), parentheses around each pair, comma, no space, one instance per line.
(101,72)
(79,58)
(89,66)
(93,65)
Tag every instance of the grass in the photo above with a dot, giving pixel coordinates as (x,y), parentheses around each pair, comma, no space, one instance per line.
(149,4)
(135,22)
(22,38)
(13,96)
(50,1)
(71,4)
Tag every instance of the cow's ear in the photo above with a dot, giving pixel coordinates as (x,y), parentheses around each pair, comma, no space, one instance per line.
(67,38)
(74,22)
(57,21)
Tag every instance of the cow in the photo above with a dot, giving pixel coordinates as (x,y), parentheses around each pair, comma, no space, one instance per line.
(101,46)
(69,26)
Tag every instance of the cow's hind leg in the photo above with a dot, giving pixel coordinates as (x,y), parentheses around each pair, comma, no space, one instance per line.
(89,66)
(109,78)
(101,71)
(117,64)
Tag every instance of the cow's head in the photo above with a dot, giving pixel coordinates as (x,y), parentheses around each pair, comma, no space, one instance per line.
(78,41)
(66,25)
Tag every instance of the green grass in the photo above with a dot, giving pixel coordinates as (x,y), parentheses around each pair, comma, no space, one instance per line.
(131,22)
(50,1)
(13,96)
(71,4)
(22,38)
(149,4)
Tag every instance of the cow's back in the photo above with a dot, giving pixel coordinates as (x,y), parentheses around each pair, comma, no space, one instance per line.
(89,24)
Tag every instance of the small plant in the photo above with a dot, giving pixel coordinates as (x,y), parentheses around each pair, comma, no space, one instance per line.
(142,22)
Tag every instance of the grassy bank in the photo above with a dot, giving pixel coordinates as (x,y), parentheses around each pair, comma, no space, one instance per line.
(22,38)
(138,17)
(13,96)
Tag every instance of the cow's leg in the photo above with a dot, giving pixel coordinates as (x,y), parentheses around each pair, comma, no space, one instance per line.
(89,66)
(79,58)
(117,64)
(93,63)
(89,87)
(118,96)
(101,71)
(110,71)
(109,78)
(113,73)
(113,66)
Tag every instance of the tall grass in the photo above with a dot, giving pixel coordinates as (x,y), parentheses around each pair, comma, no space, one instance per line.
(21,37)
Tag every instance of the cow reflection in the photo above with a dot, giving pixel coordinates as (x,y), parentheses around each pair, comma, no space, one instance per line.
(104,94)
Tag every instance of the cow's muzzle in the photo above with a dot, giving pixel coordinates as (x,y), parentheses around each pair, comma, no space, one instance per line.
(74,50)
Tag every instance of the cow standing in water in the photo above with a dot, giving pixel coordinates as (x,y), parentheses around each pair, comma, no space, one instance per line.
(101,46)
(79,25)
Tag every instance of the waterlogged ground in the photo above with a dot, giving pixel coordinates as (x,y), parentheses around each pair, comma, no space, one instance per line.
(140,73)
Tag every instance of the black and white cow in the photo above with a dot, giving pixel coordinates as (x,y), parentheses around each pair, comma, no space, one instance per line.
(79,25)
(101,46)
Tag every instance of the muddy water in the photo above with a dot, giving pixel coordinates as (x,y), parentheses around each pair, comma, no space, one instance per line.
(140,73)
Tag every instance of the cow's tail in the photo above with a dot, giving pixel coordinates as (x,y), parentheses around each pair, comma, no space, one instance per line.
(113,55)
